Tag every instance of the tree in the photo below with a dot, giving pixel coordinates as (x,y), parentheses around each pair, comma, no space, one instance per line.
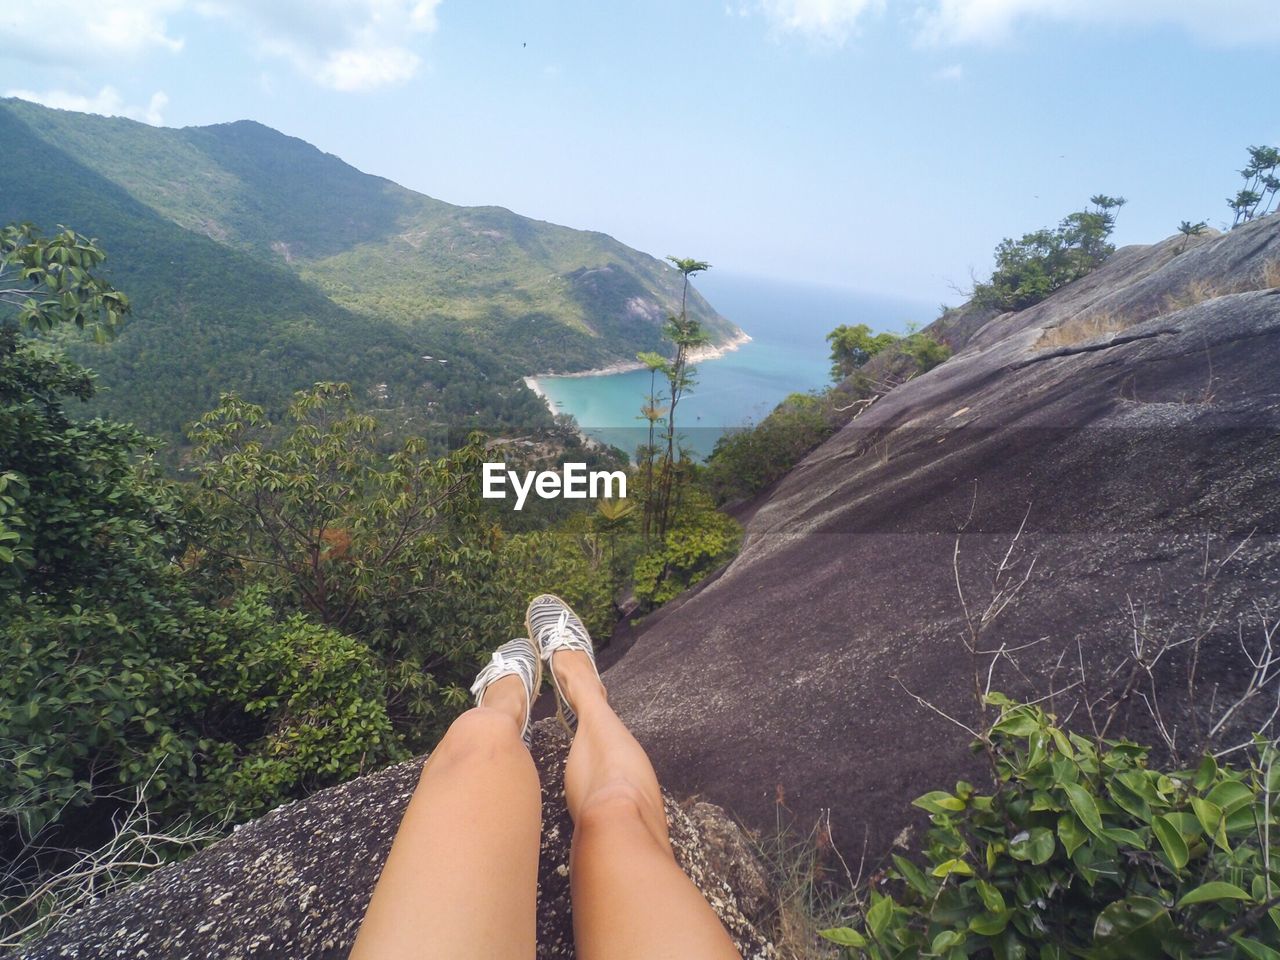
(115,680)
(49,281)
(686,334)
(1261,186)
(1030,269)
(390,549)
(851,347)
(1189,230)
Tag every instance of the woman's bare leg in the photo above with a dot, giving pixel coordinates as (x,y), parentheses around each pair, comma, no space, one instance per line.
(630,898)
(461,881)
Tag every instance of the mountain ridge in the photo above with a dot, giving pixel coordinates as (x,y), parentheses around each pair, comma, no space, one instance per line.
(383,275)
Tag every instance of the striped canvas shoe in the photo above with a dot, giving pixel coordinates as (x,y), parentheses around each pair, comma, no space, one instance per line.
(554,626)
(515,658)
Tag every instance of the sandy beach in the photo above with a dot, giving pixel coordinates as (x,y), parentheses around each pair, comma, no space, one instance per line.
(697,355)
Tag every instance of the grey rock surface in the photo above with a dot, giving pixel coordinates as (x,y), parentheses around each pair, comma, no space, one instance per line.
(295,883)
(790,677)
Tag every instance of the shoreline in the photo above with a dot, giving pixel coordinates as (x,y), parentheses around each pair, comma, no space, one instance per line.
(697,355)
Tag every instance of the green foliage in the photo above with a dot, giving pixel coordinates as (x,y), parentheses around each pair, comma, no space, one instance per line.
(746,461)
(662,471)
(1029,269)
(1261,186)
(114,677)
(699,540)
(1189,230)
(314,699)
(924,350)
(388,548)
(572,561)
(52,280)
(1083,850)
(852,347)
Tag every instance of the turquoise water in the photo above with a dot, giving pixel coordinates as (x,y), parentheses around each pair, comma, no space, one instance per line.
(788,353)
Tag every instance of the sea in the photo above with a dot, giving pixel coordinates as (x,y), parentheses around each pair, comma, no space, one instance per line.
(788,353)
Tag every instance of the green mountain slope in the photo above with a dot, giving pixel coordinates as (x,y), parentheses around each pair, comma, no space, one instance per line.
(259,264)
(209,318)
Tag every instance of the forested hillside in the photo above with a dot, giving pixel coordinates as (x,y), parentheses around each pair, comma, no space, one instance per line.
(257,263)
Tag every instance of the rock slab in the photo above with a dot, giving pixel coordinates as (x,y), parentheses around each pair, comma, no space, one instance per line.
(295,883)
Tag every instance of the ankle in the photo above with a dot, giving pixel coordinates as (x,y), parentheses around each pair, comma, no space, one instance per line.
(578,679)
(507,695)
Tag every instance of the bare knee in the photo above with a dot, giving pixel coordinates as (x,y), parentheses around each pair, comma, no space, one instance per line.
(620,806)
(479,734)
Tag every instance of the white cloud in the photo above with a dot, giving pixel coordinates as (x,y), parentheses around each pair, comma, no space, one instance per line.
(953,73)
(828,21)
(106,101)
(991,21)
(105,29)
(946,22)
(348,45)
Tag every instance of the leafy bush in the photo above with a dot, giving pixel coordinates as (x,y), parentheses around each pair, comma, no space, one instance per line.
(389,549)
(114,678)
(1083,850)
(699,540)
(1029,269)
(571,561)
(744,462)
(852,347)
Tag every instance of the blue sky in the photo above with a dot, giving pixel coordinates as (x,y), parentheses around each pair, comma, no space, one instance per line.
(885,145)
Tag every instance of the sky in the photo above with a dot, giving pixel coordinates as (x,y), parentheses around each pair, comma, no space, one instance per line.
(880,145)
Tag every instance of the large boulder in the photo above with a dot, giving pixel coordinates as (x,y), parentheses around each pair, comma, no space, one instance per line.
(1122,434)
(296,882)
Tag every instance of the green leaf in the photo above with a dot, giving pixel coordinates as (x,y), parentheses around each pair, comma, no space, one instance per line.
(990,924)
(1171,842)
(844,936)
(948,867)
(1255,949)
(1085,806)
(1230,795)
(1214,890)
(1036,845)
(1017,723)
(991,898)
(945,941)
(879,915)
(1206,773)
(911,873)
(1131,929)
(1071,832)
(939,801)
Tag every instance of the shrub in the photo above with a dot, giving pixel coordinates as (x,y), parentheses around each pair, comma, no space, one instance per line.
(744,462)
(852,347)
(1029,269)
(115,680)
(699,540)
(571,561)
(389,549)
(1083,850)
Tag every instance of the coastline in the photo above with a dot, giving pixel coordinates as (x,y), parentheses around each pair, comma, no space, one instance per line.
(697,355)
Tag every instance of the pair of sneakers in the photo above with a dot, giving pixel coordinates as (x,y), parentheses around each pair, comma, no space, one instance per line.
(552,626)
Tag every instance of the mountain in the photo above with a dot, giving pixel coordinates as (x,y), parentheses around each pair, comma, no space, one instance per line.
(259,264)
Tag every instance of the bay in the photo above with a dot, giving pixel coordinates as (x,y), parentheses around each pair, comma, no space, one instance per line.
(788,353)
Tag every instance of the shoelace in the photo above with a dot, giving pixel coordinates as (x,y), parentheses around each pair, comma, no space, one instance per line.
(562,638)
(498,664)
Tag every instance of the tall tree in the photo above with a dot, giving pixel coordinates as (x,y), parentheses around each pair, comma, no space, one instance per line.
(686,334)
(1261,186)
